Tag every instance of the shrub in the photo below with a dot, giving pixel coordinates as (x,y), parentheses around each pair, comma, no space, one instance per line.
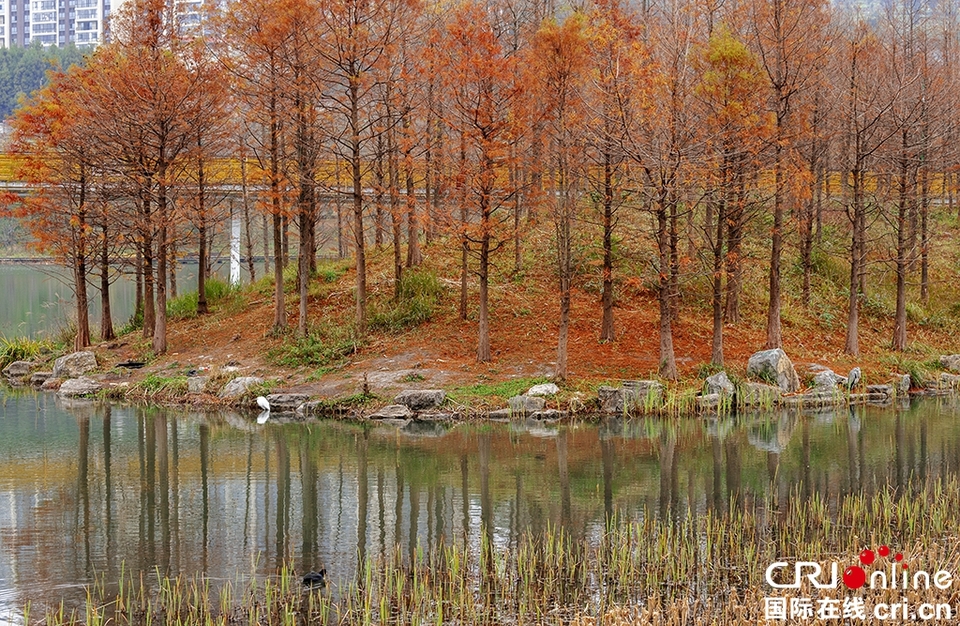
(325,345)
(419,293)
(20,349)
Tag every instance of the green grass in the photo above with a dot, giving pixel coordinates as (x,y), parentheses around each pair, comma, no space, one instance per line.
(157,387)
(420,291)
(325,346)
(486,392)
(184,306)
(21,349)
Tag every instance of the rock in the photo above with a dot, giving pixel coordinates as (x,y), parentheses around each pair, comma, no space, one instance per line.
(79,387)
(38,378)
(51,384)
(949,381)
(708,402)
(643,395)
(814,399)
(543,389)
(634,396)
(611,399)
(775,367)
(239,386)
(421,399)
(286,402)
(903,384)
(499,415)
(311,408)
(526,404)
(827,380)
(18,369)
(74,365)
(719,384)
(197,384)
(950,362)
(753,394)
(393,412)
(884,390)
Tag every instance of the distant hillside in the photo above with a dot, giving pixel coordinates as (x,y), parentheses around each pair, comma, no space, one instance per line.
(24,70)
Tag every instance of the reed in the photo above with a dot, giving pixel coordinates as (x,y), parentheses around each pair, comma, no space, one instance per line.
(688,569)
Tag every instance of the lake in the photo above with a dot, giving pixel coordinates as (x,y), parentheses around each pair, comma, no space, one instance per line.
(89,489)
(43,300)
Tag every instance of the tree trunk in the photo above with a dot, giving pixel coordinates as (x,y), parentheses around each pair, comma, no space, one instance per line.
(668,364)
(414,257)
(246,220)
(202,308)
(356,164)
(149,306)
(266,245)
(106,319)
(903,248)
(280,310)
(606,325)
(774,334)
(393,165)
(464,240)
(852,346)
(82,338)
(160,331)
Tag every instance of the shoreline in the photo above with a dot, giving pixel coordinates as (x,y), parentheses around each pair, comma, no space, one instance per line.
(80,375)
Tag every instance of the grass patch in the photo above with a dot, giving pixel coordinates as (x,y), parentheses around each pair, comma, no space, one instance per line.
(419,293)
(485,393)
(156,387)
(21,349)
(184,306)
(325,346)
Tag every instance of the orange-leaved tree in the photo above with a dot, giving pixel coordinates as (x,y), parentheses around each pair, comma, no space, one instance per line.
(483,106)
(58,163)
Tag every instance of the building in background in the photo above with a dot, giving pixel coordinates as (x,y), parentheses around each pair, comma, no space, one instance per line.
(54,22)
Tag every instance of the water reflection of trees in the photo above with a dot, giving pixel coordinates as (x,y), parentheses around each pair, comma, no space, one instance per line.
(189,492)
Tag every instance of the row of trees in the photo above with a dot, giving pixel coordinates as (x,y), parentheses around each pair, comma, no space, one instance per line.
(704,124)
(24,70)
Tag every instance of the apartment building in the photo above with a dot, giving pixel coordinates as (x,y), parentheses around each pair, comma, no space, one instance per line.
(53,22)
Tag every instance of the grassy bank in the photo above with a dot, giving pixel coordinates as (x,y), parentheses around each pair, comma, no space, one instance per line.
(706,568)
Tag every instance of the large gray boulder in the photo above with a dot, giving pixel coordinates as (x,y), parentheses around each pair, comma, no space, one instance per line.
(774,366)
(543,389)
(635,396)
(719,384)
(526,404)
(758,394)
(950,362)
(79,387)
(74,365)
(282,402)
(239,386)
(421,399)
(827,380)
(17,369)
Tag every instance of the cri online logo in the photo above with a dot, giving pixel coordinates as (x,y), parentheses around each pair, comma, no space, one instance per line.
(855,577)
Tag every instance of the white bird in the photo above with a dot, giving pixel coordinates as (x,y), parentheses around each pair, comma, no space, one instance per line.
(853,379)
(263,403)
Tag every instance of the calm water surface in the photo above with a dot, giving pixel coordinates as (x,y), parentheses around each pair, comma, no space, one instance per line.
(43,302)
(86,489)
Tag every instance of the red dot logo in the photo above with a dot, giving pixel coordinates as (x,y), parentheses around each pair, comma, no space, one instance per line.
(899,557)
(867,557)
(854,577)
(884,550)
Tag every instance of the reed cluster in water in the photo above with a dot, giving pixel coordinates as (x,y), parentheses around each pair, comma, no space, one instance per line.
(706,568)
